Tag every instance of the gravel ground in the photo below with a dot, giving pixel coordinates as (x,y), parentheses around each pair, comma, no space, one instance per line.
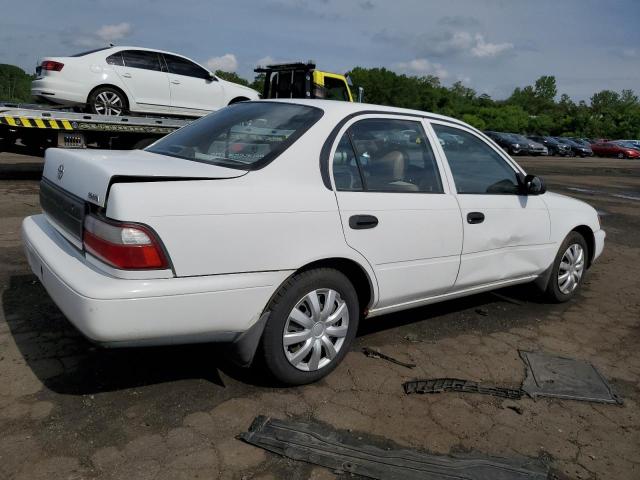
(70,410)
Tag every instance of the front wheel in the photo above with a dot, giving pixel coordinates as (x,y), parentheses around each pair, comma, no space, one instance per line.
(313,321)
(568,268)
(107,101)
(621,155)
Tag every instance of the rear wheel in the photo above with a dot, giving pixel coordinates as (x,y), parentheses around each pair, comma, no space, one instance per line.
(108,101)
(621,155)
(313,321)
(568,268)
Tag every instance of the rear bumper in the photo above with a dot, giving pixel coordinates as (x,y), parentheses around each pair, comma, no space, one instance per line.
(58,91)
(121,312)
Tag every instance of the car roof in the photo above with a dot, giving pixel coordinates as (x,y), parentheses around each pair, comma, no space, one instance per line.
(342,108)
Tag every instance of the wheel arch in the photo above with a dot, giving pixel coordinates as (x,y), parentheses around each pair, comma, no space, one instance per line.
(238,99)
(356,274)
(110,85)
(590,238)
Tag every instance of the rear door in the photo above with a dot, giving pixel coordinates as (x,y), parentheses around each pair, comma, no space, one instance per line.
(395,208)
(506,234)
(193,89)
(144,78)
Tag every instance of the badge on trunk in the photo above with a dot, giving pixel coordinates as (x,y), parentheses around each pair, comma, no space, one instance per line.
(60,171)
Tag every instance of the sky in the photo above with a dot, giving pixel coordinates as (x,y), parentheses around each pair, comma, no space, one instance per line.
(492,46)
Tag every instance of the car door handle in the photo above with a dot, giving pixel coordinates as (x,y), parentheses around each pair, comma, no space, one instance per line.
(126,75)
(175,82)
(475,217)
(360,222)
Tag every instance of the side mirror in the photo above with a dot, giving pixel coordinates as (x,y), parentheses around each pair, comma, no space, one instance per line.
(532,184)
(212,77)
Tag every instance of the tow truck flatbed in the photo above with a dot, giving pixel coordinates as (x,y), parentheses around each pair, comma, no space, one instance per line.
(47,127)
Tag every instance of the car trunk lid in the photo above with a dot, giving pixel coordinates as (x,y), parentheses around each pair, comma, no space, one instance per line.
(73,178)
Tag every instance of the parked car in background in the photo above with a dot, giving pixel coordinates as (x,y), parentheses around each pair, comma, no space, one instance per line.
(516,144)
(506,142)
(121,80)
(619,149)
(553,146)
(530,147)
(635,143)
(577,149)
(183,241)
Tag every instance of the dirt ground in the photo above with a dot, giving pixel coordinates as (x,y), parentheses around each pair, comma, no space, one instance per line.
(69,410)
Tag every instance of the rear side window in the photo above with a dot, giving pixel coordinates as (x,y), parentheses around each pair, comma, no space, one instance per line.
(141,59)
(182,66)
(245,135)
(476,167)
(388,156)
(115,59)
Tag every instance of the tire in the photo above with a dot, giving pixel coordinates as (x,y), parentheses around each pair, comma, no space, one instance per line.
(555,291)
(108,101)
(621,155)
(297,363)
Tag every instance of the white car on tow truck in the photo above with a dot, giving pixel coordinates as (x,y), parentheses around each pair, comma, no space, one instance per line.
(121,80)
(278,225)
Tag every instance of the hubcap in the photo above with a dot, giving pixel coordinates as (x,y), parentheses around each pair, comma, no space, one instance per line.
(571,268)
(108,103)
(315,330)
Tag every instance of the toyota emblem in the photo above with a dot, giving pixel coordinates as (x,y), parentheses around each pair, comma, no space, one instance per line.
(60,171)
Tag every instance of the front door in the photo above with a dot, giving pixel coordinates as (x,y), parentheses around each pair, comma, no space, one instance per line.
(142,74)
(395,208)
(506,234)
(193,89)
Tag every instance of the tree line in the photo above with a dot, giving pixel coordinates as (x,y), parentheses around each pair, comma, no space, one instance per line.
(533,109)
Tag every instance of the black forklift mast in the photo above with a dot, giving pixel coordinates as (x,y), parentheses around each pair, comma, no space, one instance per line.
(280,68)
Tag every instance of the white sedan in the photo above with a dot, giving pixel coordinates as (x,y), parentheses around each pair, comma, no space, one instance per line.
(120,80)
(279,225)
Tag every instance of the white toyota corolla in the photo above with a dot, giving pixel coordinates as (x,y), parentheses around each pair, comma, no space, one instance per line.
(278,225)
(120,80)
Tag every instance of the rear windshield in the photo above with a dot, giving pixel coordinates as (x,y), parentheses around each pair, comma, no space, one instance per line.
(246,135)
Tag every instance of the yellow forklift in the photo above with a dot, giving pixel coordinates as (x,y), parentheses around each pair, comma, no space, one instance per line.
(303,80)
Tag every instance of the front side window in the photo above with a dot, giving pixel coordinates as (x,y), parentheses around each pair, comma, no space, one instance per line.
(182,66)
(388,155)
(141,59)
(245,135)
(476,167)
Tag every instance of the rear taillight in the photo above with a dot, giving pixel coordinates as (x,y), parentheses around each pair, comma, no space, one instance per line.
(52,66)
(123,245)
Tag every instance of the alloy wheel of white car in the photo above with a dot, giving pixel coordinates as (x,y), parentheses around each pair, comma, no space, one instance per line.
(315,330)
(108,103)
(571,268)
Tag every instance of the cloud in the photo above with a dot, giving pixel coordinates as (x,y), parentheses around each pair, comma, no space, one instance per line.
(101,37)
(483,49)
(458,21)
(422,66)
(449,43)
(112,33)
(227,63)
(269,60)
(367,5)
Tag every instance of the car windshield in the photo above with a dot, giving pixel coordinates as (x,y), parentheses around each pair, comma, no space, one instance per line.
(628,144)
(246,135)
